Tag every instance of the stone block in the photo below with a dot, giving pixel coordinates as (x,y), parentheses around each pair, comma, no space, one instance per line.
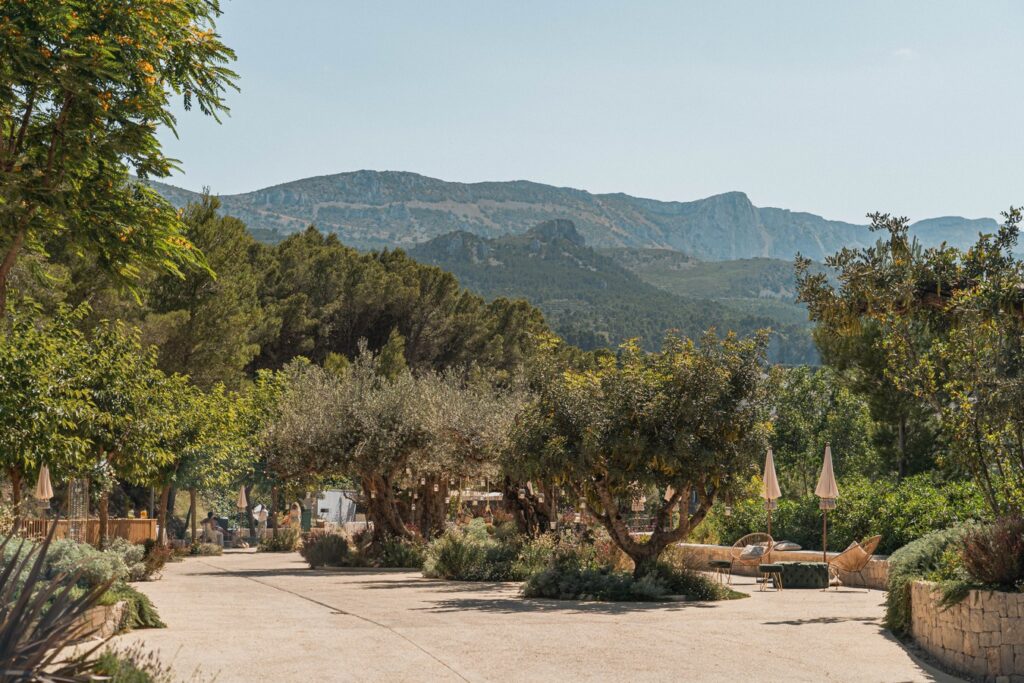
(1006,662)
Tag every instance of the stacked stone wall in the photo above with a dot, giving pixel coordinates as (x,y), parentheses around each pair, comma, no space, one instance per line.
(982,636)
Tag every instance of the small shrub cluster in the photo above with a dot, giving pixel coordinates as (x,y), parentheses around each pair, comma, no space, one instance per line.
(285,540)
(139,609)
(155,556)
(66,556)
(401,553)
(134,557)
(205,549)
(993,554)
(133,665)
(572,575)
(321,549)
(483,552)
(931,557)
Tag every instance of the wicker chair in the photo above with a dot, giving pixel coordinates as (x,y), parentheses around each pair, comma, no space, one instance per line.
(763,540)
(853,560)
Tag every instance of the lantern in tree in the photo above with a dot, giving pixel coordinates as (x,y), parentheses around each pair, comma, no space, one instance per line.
(436,488)
(540,498)
(373,494)
(522,494)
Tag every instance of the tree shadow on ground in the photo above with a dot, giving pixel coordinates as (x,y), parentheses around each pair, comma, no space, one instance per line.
(821,620)
(514,605)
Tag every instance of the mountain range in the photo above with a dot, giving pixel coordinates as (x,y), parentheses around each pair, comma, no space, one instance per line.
(377,209)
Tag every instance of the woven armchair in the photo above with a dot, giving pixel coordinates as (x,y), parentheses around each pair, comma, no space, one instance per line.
(853,560)
(752,539)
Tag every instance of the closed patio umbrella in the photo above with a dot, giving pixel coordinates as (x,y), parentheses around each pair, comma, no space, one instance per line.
(770,490)
(44,490)
(828,491)
(243,502)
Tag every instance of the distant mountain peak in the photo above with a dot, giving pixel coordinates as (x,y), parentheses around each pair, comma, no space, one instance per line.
(560,228)
(377,209)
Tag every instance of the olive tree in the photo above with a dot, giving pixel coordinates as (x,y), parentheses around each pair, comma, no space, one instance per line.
(686,422)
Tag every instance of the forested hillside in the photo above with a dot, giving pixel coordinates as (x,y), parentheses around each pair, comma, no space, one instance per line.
(587,297)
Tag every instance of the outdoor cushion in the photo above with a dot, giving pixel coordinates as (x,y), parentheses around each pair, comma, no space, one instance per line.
(765,568)
(787,545)
(752,552)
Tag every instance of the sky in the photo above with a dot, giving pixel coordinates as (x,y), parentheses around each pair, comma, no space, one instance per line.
(913,108)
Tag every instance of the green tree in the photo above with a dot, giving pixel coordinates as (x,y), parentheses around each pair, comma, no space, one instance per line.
(84,85)
(685,424)
(207,326)
(949,330)
(41,402)
(813,408)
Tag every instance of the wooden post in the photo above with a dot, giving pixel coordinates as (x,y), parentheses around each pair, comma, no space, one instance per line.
(194,510)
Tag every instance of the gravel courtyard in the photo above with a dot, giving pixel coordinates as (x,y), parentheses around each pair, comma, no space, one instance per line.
(249,616)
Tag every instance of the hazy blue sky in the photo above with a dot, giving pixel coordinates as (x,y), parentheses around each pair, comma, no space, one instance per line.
(909,107)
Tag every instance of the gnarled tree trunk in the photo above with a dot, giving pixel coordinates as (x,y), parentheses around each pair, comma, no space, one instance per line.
(193,510)
(532,516)
(103,513)
(382,508)
(645,554)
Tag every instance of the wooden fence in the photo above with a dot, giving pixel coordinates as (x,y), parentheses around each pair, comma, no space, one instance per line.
(134,530)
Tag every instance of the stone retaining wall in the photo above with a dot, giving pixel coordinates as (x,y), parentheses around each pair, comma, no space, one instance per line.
(103,621)
(982,636)
(876,573)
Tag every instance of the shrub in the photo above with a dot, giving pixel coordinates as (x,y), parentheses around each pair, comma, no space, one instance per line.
(993,554)
(133,665)
(155,557)
(324,549)
(42,624)
(534,556)
(401,553)
(140,612)
(205,549)
(284,540)
(67,556)
(457,556)
(482,552)
(925,558)
(133,555)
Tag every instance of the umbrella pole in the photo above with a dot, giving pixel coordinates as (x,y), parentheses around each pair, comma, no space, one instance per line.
(824,536)
(769,521)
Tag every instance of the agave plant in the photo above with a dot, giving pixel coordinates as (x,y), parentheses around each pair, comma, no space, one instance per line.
(40,617)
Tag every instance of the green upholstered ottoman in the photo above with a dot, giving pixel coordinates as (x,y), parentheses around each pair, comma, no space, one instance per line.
(804,574)
(723,569)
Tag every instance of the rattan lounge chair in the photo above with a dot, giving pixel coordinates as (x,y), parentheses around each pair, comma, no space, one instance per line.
(853,560)
(759,539)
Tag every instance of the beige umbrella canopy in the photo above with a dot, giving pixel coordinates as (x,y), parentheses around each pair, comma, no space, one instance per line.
(770,490)
(44,490)
(828,491)
(243,502)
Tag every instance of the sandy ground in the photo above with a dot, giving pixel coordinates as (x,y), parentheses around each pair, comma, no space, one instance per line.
(265,617)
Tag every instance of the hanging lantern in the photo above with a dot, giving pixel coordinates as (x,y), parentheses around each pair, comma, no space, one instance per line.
(408,471)
(578,518)
(436,488)
(423,481)
(540,498)
(553,525)
(415,496)
(583,506)
(451,482)
(522,494)
(373,494)
(414,507)
(728,510)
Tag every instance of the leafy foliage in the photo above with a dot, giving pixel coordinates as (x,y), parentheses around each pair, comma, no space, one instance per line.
(900,511)
(683,425)
(993,554)
(40,617)
(285,540)
(83,88)
(324,550)
(919,559)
